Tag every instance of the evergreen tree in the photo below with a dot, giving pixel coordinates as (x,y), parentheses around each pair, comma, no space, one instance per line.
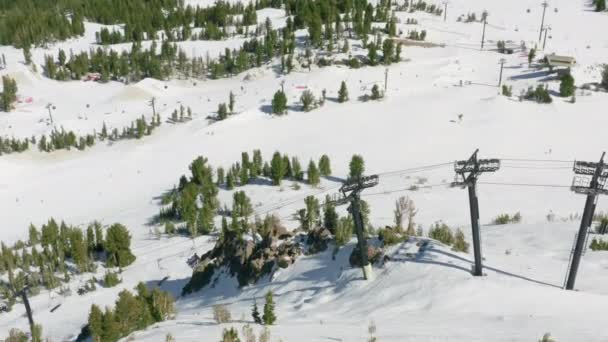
(9,93)
(600,5)
(313,173)
(357,167)
(330,216)
(279,103)
(372,54)
(96,322)
(324,166)
(278,169)
(34,235)
(297,169)
(117,246)
(388,50)
(566,87)
(231,102)
(531,56)
(376,94)
(605,76)
(269,317)
(27,54)
(255,313)
(343,93)
(308,100)
(222,111)
(230,335)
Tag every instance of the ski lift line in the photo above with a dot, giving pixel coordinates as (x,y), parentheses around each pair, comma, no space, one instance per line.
(405,189)
(527,184)
(537,160)
(416,169)
(537,167)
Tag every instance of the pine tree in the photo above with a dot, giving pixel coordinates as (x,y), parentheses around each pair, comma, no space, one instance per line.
(230,335)
(343,93)
(313,173)
(357,167)
(255,313)
(297,169)
(308,100)
(279,103)
(278,169)
(460,243)
(231,102)
(372,54)
(600,5)
(531,56)
(566,87)
(222,111)
(117,246)
(27,54)
(324,166)
(9,93)
(96,322)
(330,216)
(269,317)
(34,235)
(376,94)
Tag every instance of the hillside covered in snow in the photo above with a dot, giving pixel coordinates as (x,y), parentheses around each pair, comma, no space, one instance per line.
(104,115)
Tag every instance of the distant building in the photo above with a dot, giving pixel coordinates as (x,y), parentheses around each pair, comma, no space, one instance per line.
(555,61)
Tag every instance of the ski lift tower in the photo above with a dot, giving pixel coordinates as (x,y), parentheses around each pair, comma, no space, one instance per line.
(350,192)
(467,172)
(590,179)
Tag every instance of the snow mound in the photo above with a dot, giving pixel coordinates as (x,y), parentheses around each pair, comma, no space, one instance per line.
(142,90)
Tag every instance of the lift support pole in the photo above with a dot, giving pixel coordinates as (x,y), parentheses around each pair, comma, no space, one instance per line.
(354,187)
(474,167)
(590,179)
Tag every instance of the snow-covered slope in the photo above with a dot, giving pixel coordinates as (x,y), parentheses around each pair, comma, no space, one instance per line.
(430,297)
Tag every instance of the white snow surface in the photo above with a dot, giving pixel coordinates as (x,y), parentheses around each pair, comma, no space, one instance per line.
(430,297)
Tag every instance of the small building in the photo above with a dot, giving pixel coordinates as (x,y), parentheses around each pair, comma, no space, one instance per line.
(555,61)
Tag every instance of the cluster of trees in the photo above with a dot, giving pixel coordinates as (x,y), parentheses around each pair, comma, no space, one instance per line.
(131,312)
(134,65)
(223,109)
(598,245)
(62,139)
(13,145)
(268,317)
(194,201)
(506,219)
(442,233)
(48,256)
(9,93)
(600,5)
(38,22)
(415,35)
(540,94)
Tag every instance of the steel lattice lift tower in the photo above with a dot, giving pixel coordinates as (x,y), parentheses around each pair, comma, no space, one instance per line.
(590,179)
(350,193)
(467,172)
